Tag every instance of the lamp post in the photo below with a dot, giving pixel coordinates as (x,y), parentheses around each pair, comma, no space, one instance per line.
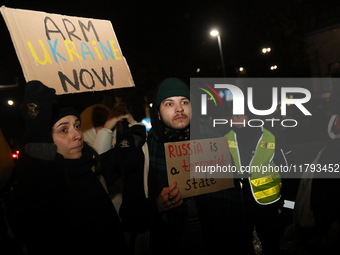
(266,50)
(217,34)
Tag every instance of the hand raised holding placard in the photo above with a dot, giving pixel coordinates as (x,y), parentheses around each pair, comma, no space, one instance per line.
(118,113)
(169,198)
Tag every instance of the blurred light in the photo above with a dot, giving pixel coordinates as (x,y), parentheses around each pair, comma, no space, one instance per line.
(147,123)
(150,105)
(221,94)
(273,67)
(290,97)
(228,96)
(15,155)
(265,50)
(214,32)
(241,69)
(198,70)
(10,102)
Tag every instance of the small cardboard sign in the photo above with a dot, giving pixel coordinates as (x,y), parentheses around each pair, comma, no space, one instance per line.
(69,54)
(188,161)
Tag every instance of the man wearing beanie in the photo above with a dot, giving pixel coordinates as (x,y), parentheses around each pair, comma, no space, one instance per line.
(205,224)
(58,205)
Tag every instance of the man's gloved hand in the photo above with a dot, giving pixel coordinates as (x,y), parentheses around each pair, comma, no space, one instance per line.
(133,138)
(37,110)
(129,146)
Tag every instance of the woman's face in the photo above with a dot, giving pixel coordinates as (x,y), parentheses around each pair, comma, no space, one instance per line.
(68,137)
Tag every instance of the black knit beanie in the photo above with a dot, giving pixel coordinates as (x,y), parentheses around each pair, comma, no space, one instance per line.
(60,111)
(171,87)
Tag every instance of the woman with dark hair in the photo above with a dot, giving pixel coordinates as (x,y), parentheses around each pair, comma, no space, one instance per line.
(59,205)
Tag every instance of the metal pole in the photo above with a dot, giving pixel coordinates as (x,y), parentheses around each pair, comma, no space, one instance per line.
(221,54)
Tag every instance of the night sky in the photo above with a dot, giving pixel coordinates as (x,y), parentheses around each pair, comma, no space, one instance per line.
(163,39)
(171,38)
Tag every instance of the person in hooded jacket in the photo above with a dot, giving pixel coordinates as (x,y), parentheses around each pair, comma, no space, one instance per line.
(98,124)
(58,205)
(8,244)
(324,199)
(206,224)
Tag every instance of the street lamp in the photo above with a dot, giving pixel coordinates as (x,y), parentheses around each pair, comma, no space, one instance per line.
(10,102)
(216,33)
(266,50)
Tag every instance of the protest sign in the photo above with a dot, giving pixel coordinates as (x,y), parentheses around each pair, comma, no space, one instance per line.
(69,54)
(188,161)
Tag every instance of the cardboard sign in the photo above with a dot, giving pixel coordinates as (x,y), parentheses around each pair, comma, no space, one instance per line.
(69,54)
(188,161)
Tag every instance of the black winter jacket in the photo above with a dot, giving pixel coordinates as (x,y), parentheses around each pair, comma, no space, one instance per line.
(60,207)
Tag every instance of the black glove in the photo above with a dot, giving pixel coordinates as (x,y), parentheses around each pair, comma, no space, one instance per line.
(37,110)
(133,138)
(129,147)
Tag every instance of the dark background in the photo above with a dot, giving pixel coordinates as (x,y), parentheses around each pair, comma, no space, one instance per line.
(171,39)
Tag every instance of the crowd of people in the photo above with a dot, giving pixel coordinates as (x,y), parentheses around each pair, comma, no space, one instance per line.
(81,186)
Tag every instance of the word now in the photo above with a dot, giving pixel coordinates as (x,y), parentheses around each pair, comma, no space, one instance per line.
(86,75)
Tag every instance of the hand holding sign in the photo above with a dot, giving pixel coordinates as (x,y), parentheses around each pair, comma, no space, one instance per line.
(169,198)
(187,162)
